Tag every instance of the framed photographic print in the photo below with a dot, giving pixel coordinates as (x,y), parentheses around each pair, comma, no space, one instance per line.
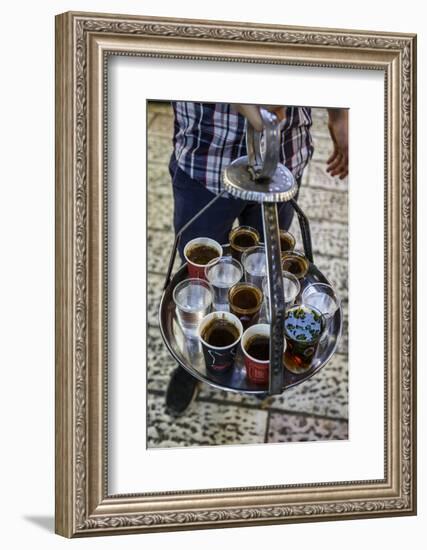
(235,274)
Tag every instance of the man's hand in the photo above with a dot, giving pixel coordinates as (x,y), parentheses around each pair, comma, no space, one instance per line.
(337,163)
(251,112)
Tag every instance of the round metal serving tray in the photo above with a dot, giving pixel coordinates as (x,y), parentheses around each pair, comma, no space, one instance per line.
(188,352)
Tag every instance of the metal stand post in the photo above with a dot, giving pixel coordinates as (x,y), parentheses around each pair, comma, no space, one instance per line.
(277,298)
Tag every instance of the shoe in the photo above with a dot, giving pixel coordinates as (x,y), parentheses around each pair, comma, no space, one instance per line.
(181,392)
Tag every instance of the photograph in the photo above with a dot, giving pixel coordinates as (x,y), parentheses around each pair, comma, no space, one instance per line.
(209,320)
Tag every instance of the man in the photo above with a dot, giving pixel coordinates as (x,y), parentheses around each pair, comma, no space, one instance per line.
(207,137)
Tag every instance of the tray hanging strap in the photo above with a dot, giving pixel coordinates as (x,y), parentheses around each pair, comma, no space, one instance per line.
(181,231)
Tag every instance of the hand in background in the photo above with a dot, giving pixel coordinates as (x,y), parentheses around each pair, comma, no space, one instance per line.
(337,163)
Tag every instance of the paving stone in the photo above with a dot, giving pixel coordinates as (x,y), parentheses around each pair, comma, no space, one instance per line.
(160,212)
(162,125)
(293,427)
(162,107)
(324,394)
(319,116)
(323,146)
(327,237)
(160,362)
(315,175)
(159,148)
(203,424)
(159,180)
(320,204)
(209,393)
(154,290)
(159,248)
(150,117)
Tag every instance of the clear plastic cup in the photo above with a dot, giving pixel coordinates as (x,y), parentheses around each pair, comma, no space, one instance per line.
(254,263)
(193,300)
(222,274)
(291,289)
(323,298)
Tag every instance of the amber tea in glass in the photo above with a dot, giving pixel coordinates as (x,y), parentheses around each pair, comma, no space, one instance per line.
(245,301)
(304,325)
(295,263)
(241,238)
(287,241)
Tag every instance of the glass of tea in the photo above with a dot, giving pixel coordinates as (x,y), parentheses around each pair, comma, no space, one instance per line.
(198,253)
(245,301)
(254,263)
(296,263)
(241,238)
(256,353)
(287,241)
(222,274)
(220,333)
(291,289)
(304,326)
(193,299)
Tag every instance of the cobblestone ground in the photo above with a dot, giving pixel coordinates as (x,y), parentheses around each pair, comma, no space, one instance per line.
(316,409)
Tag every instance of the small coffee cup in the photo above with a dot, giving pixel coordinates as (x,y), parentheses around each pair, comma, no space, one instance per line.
(220,333)
(287,241)
(245,301)
(198,253)
(256,353)
(296,263)
(241,238)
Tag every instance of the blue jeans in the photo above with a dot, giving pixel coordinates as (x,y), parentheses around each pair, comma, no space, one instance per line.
(190,197)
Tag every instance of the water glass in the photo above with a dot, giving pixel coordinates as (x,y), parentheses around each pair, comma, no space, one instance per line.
(254,263)
(193,300)
(222,274)
(323,298)
(291,289)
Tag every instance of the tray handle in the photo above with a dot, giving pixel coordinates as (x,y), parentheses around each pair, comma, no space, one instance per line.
(305,230)
(181,231)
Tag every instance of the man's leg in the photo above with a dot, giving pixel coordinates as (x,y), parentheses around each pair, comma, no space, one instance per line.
(189,198)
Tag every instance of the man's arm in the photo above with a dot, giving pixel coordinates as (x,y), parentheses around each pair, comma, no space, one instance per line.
(251,112)
(337,163)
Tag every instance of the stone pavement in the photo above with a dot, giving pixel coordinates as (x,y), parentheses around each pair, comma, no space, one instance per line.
(316,409)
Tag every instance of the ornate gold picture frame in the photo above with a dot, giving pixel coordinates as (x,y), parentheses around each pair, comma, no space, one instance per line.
(84,42)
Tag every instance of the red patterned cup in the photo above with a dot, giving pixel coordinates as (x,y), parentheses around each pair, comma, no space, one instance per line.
(256,353)
(198,253)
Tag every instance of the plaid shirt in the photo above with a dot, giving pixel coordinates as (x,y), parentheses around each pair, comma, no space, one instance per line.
(208,136)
